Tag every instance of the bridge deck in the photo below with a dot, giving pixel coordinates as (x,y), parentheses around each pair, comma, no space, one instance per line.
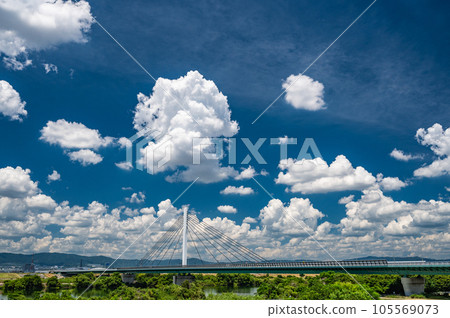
(353,267)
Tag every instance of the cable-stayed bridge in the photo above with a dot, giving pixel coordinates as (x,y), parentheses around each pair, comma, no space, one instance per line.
(203,240)
(218,253)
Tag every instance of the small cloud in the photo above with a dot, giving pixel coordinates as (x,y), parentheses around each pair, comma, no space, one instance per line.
(50,68)
(124,142)
(246,173)
(237,190)
(14,64)
(249,220)
(390,183)
(303,92)
(54,176)
(73,135)
(227,209)
(125,165)
(136,198)
(400,155)
(85,157)
(127,188)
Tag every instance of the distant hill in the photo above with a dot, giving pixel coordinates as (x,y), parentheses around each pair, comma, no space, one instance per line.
(60,259)
(74,260)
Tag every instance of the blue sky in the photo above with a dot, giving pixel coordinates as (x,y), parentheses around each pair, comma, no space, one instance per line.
(381,82)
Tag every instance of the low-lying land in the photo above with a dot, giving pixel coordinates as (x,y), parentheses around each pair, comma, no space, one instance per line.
(327,285)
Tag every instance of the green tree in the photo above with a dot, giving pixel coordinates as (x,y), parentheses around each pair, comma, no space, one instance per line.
(437,283)
(83,281)
(268,291)
(53,284)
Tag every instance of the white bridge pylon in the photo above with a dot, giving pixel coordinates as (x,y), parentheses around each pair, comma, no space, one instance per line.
(210,245)
(185,232)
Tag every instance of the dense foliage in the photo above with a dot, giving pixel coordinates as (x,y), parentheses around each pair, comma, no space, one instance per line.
(24,286)
(327,285)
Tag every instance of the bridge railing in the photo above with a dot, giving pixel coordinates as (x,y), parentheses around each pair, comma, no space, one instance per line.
(418,263)
(287,264)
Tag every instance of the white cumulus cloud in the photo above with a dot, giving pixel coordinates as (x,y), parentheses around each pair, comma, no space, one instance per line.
(237,190)
(227,209)
(316,176)
(11,104)
(86,157)
(54,176)
(297,217)
(379,215)
(390,183)
(16,183)
(246,173)
(72,135)
(41,201)
(303,92)
(180,110)
(438,140)
(136,198)
(400,155)
(29,25)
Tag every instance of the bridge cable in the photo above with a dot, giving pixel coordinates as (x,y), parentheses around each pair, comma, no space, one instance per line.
(206,248)
(245,252)
(175,248)
(161,242)
(212,244)
(235,243)
(228,241)
(223,238)
(162,246)
(203,239)
(255,256)
(224,244)
(206,233)
(195,245)
(170,244)
(162,239)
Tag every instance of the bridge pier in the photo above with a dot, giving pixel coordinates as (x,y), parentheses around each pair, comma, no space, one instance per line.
(128,278)
(413,285)
(180,279)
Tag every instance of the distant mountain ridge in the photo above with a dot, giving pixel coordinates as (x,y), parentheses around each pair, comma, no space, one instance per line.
(74,260)
(60,259)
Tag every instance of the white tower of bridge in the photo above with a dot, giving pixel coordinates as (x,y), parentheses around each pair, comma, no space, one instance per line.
(185,230)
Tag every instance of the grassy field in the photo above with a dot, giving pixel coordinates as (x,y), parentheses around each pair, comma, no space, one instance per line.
(9,276)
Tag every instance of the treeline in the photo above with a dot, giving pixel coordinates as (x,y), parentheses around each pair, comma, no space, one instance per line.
(327,285)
